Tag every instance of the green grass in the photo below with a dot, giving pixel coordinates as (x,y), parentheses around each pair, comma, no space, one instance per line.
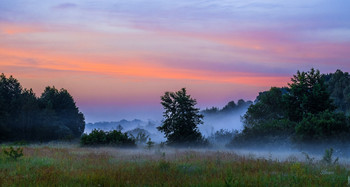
(75,166)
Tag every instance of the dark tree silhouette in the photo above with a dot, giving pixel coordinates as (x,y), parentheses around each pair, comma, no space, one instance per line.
(308,94)
(339,87)
(181,119)
(23,116)
(230,107)
(61,105)
(269,106)
(310,110)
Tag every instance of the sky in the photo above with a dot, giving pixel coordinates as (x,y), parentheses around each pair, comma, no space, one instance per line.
(118,57)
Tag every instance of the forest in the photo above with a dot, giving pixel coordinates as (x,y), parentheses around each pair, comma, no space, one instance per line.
(314,108)
(26,117)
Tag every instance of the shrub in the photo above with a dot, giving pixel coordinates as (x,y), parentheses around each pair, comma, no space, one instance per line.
(95,137)
(100,137)
(13,153)
(328,157)
(141,137)
(222,136)
(150,144)
(308,158)
(116,137)
(20,143)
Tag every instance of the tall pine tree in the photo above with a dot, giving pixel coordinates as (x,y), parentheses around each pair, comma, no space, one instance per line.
(180,125)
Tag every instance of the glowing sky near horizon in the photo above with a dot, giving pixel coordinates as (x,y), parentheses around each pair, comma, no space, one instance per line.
(118,57)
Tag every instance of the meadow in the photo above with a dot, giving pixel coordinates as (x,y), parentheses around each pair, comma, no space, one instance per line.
(62,164)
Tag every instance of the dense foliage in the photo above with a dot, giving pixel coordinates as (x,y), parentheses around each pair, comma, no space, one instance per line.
(307,95)
(323,126)
(113,137)
(140,135)
(181,119)
(311,109)
(222,136)
(338,84)
(269,106)
(230,107)
(23,116)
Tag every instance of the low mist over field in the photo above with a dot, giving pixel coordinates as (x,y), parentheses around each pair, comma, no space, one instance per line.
(175,93)
(131,127)
(215,119)
(67,164)
(228,117)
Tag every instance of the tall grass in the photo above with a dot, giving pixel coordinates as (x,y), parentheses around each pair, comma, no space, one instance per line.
(75,166)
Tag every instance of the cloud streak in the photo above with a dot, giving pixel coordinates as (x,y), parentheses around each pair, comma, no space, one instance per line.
(237,47)
(66,6)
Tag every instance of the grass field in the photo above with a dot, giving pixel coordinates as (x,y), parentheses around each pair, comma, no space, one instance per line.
(71,165)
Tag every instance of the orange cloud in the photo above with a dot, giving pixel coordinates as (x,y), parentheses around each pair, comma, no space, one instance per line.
(77,56)
(12,28)
(132,68)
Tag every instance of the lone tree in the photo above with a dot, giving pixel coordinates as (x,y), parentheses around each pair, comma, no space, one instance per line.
(181,119)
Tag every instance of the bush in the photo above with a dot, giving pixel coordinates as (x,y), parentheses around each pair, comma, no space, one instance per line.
(20,143)
(328,157)
(116,137)
(150,144)
(100,137)
(222,136)
(13,153)
(95,137)
(141,137)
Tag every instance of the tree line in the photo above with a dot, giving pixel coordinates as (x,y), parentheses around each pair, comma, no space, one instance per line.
(24,116)
(314,108)
(229,108)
